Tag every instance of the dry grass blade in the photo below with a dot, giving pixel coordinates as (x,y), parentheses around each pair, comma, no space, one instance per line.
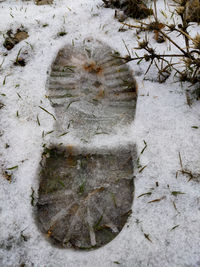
(155,10)
(48,112)
(145,194)
(176,193)
(180,159)
(126,48)
(157,200)
(141,170)
(147,237)
(174,205)
(12,168)
(145,146)
(174,227)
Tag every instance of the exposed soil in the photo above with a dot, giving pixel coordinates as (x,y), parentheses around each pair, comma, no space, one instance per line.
(12,39)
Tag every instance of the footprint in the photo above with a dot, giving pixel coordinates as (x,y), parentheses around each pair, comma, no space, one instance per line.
(85,196)
(92,90)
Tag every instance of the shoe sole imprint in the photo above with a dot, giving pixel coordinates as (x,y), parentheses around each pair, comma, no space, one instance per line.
(91,89)
(84,197)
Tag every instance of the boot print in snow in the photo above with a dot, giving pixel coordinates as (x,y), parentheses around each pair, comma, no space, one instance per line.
(85,194)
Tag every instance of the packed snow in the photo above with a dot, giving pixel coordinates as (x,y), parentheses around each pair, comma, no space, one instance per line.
(165,129)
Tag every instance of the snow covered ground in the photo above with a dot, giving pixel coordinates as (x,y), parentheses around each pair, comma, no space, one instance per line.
(160,233)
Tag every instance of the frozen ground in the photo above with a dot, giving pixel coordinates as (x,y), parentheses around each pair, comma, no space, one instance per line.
(164,233)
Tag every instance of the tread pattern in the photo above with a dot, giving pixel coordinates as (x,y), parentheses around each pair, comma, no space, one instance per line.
(85,198)
(91,87)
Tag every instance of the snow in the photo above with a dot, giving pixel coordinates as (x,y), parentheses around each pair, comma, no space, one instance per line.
(163,119)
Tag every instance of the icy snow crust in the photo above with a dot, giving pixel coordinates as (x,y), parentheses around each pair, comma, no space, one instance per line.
(163,119)
(91,90)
